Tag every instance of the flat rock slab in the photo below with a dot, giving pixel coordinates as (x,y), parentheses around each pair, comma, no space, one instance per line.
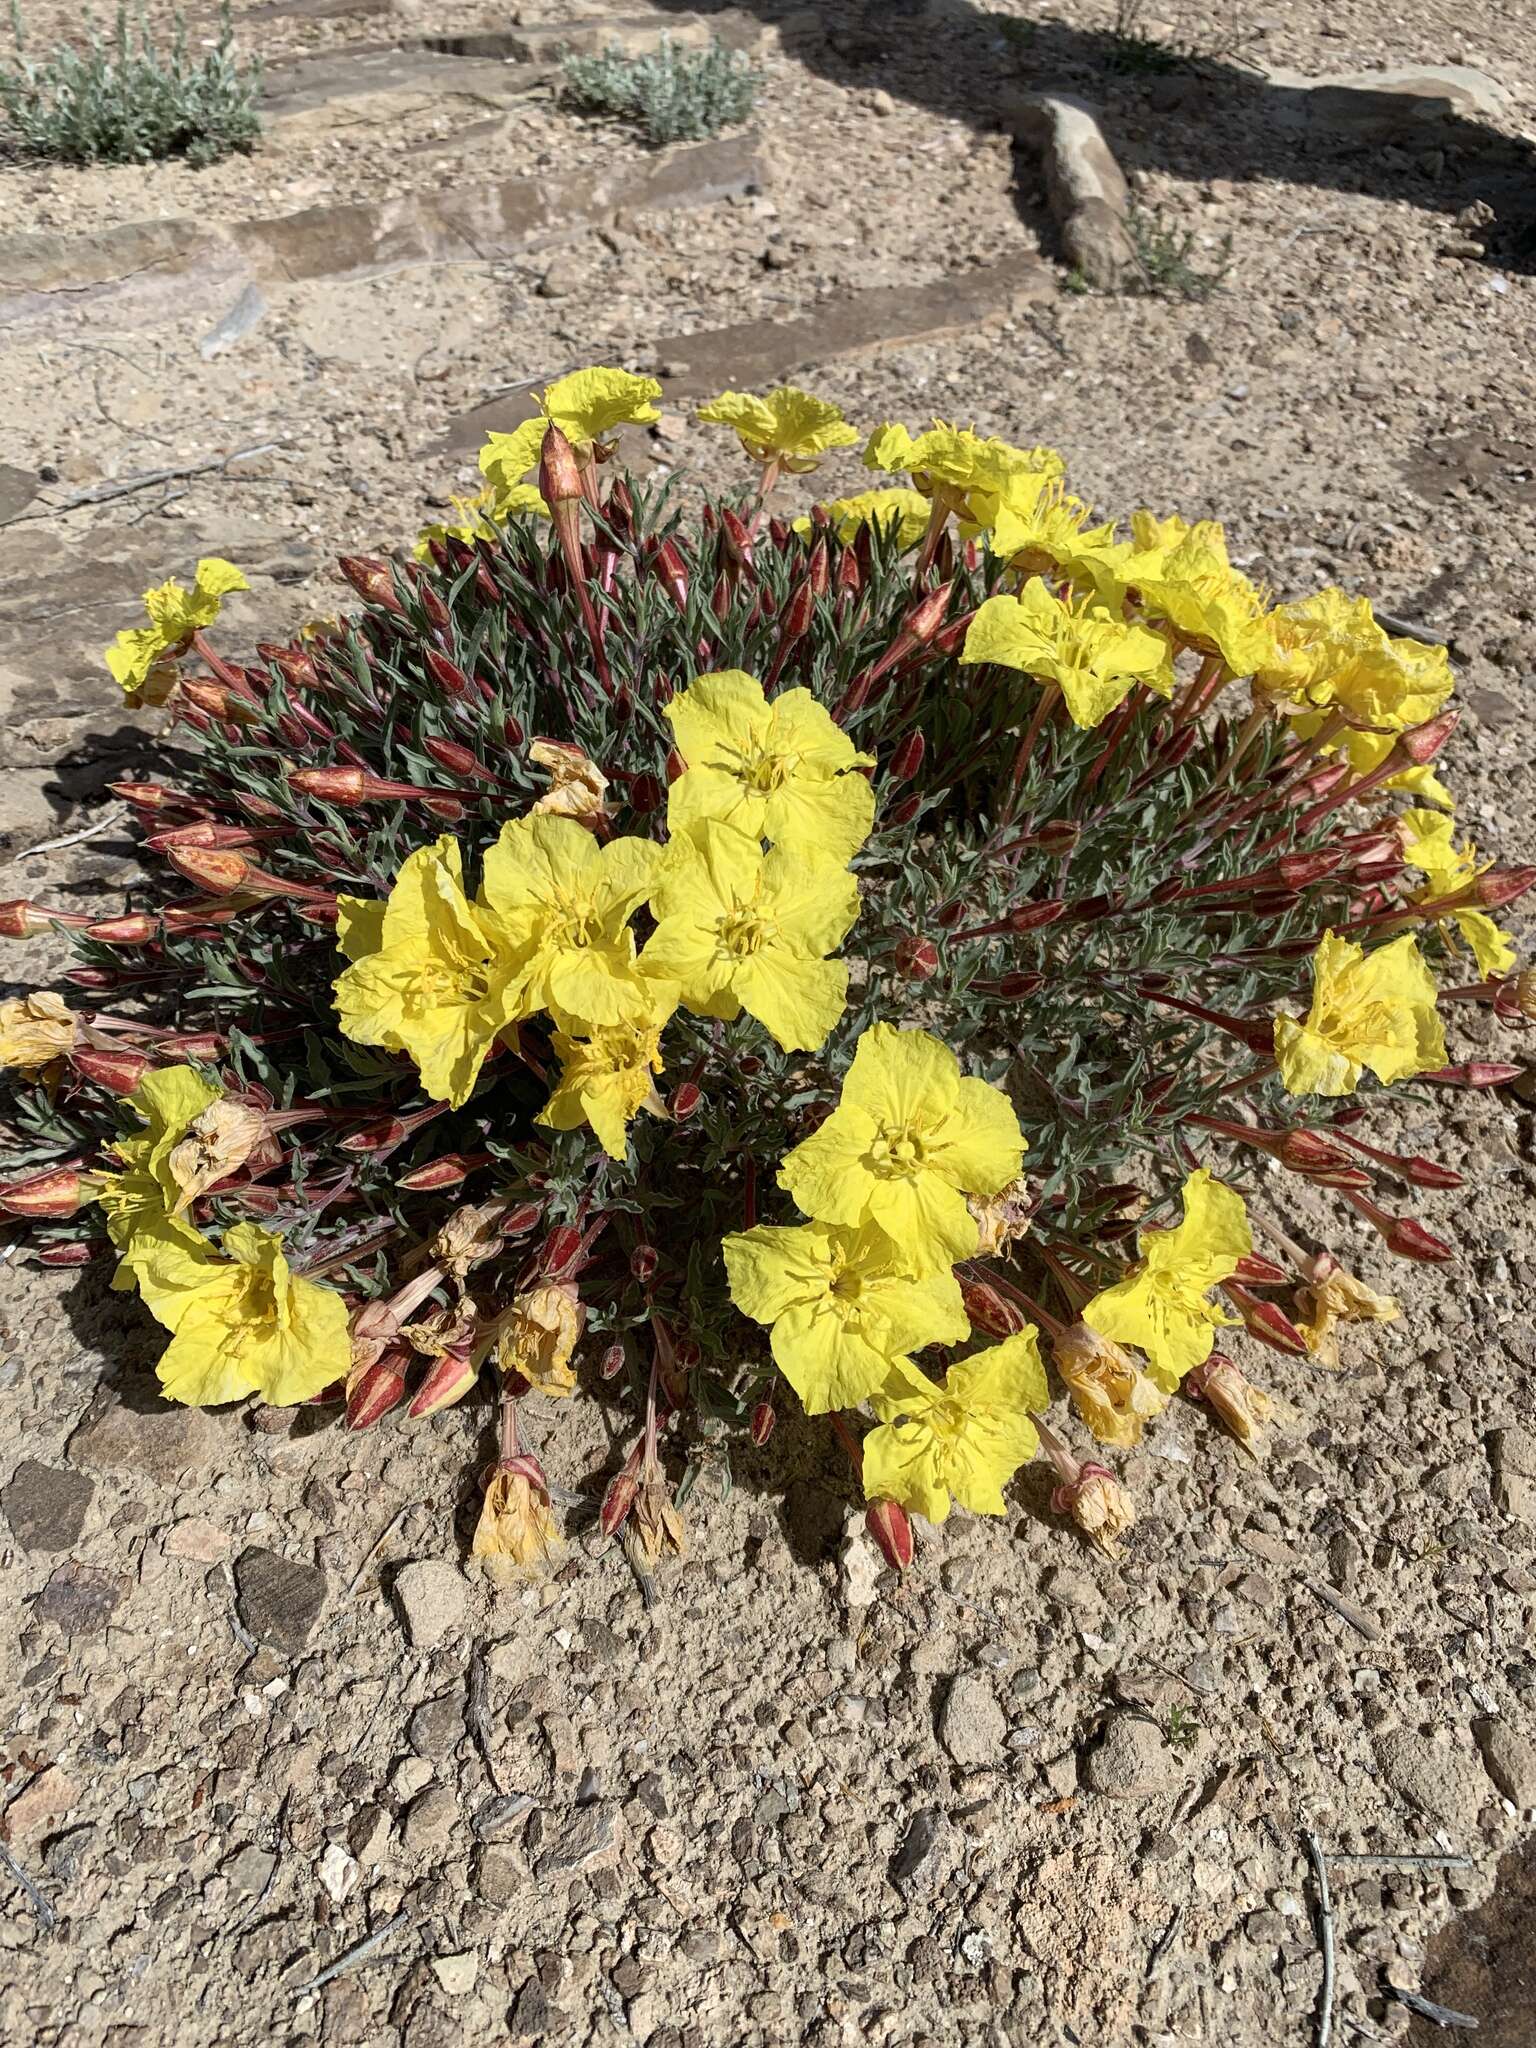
(762,352)
(1372,104)
(150,270)
(314,97)
(278,1598)
(45,1505)
(160,1443)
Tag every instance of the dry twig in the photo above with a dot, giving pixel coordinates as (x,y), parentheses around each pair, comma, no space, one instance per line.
(1314,1849)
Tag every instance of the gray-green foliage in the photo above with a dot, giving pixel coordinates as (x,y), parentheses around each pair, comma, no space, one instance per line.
(122,100)
(675,95)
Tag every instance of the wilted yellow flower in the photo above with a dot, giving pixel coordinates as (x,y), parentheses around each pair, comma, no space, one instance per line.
(1095,658)
(1002,1219)
(538,1334)
(1336,1296)
(788,427)
(654,1526)
(1100,1506)
(517,1533)
(1239,1404)
(907,511)
(578,788)
(967,1437)
(605,1080)
(242,1323)
(471,1235)
(1162,1304)
(140,655)
(1109,1389)
(218,1140)
(35,1030)
(1372,1010)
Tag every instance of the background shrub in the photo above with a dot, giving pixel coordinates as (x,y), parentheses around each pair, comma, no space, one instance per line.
(676,95)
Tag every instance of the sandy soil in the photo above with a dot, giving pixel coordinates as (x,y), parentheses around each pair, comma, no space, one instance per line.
(765,1811)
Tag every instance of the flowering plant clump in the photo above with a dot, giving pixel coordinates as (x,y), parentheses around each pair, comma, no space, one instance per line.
(851,959)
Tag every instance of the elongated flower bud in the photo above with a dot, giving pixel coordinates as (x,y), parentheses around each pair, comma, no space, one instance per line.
(1421,743)
(375,1390)
(1500,887)
(686,1098)
(988,1310)
(617,1501)
(1034,917)
(446,674)
(21,919)
(444,1172)
(559,472)
(1263,1320)
(82,1254)
(761,1424)
(448,1379)
(1475,1074)
(59,1192)
(907,759)
(611,1364)
(372,580)
(121,1071)
(1261,1272)
(891,1532)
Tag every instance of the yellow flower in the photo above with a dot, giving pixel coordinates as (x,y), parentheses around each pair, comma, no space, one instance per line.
(1315,642)
(243,1323)
(1047,533)
(1096,659)
(953,459)
(782,770)
(909,1140)
(1368,1010)
(604,1081)
(1161,1306)
(578,788)
(432,974)
(175,614)
(35,1030)
(1429,843)
(907,511)
(517,1532)
(538,1335)
(482,516)
(141,1201)
(586,406)
(788,426)
(1109,1389)
(1336,1296)
(1210,605)
(565,904)
(841,1305)
(967,1437)
(741,930)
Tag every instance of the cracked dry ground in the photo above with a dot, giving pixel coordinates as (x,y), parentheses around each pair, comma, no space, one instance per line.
(237,1741)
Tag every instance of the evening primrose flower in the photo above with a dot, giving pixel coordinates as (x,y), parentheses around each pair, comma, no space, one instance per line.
(965,1438)
(139,657)
(218,1140)
(483,515)
(1335,1296)
(605,1080)
(564,902)
(1316,639)
(1429,843)
(35,1030)
(243,1323)
(1209,605)
(1372,1010)
(1050,533)
(907,511)
(1161,1305)
(740,930)
(432,974)
(1243,1407)
(1095,658)
(780,770)
(910,1138)
(1109,1389)
(972,472)
(578,788)
(788,426)
(841,1305)
(586,406)
(517,1532)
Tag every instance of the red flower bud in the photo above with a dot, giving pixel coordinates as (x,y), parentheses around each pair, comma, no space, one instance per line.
(926,617)
(1475,1074)
(1033,917)
(611,1364)
(761,1424)
(445,1172)
(1301,870)
(218,870)
(519,1221)
(561,1248)
(456,759)
(121,1071)
(153,796)
(907,759)
(448,1379)
(19,919)
(643,1262)
(55,1193)
(904,812)
(372,579)
(916,959)
(1410,1240)
(795,619)
(84,1254)
(676,765)
(1261,1272)
(623,1490)
(445,673)
(686,1098)
(819,571)
(332,785)
(379,1137)
(890,1532)
(672,569)
(988,1310)
(372,1392)
(1263,1320)
(1501,886)
(1422,743)
(686,1354)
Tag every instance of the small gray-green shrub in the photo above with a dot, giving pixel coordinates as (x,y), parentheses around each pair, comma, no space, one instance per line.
(120,100)
(675,95)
